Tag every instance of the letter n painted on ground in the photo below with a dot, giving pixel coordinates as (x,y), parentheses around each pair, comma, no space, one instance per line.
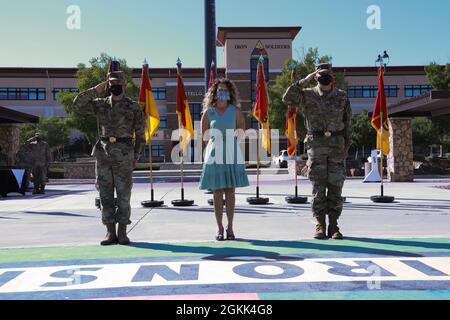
(188,272)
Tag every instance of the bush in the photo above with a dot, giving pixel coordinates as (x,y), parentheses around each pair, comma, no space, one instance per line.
(254,166)
(146,166)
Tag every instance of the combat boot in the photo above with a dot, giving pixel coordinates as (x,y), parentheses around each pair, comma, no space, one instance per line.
(111,237)
(122,235)
(333,229)
(320,228)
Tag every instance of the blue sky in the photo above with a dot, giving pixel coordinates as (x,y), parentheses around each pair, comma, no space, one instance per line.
(34,32)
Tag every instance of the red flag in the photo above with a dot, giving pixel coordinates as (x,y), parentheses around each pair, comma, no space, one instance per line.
(148,104)
(212,75)
(380,117)
(291,132)
(184,114)
(261,108)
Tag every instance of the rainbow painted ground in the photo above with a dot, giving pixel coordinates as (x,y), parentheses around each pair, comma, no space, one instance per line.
(356,268)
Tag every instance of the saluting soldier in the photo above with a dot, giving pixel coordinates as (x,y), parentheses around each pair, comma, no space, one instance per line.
(327,113)
(40,157)
(122,139)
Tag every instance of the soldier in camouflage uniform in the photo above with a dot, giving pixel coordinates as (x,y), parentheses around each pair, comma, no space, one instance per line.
(120,119)
(327,115)
(3,159)
(40,156)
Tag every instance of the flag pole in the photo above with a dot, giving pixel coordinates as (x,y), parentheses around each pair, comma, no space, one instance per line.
(257,160)
(382,155)
(382,198)
(296,153)
(152,203)
(295,199)
(182,202)
(151,168)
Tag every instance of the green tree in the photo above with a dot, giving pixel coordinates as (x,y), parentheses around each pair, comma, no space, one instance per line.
(363,134)
(424,132)
(54,131)
(305,66)
(439,77)
(89,77)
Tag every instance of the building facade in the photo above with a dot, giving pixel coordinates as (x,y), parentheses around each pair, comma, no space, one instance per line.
(35,90)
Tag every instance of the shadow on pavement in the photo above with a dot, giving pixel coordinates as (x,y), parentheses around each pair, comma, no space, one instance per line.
(214,252)
(239,254)
(342,248)
(61,214)
(408,243)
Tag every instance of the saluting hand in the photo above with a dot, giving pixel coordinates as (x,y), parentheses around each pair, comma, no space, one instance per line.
(101,88)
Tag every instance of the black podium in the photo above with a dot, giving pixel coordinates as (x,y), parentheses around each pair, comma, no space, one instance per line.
(13,180)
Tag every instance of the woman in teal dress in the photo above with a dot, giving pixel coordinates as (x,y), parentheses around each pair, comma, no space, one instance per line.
(224,166)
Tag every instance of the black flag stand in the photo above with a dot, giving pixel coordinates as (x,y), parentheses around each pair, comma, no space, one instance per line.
(296,199)
(151,203)
(182,202)
(258,200)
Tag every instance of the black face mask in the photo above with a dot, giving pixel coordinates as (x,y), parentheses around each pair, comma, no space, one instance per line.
(116,89)
(325,80)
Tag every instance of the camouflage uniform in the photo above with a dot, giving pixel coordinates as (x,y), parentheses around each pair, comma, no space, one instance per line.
(118,122)
(41,156)
(3,159)
(328,122)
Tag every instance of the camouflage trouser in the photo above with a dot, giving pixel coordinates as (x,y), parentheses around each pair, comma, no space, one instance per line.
(327,174)
(39,177)
(115,175)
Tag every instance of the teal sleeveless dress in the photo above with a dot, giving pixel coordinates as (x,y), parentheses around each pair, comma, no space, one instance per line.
(224,166)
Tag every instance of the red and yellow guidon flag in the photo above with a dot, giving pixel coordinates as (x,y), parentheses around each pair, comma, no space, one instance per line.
(184,114)
(291,134)
(261,108)
(212,75)
(291,123)
(380,117)
(148,104)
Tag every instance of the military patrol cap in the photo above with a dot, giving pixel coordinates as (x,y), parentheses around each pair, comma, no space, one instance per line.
(324,66)
(116,75)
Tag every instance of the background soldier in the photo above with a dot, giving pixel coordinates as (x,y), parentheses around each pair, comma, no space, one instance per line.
(3,158)
(327,115)
(41,156)
(119,119)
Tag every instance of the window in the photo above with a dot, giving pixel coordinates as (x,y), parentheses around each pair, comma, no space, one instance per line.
(371,91)
(163,122)
(362,91)
(196,111)
(55,91)
(158,151)
(391,91)
(417,90)
(22,94)
(159,93)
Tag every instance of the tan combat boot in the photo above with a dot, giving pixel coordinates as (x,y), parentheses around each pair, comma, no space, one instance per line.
(333,229)
(122,235)
(111,237)
(320,228)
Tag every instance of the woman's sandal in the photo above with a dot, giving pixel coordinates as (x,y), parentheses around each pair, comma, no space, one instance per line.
(230,236)
(220,237)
